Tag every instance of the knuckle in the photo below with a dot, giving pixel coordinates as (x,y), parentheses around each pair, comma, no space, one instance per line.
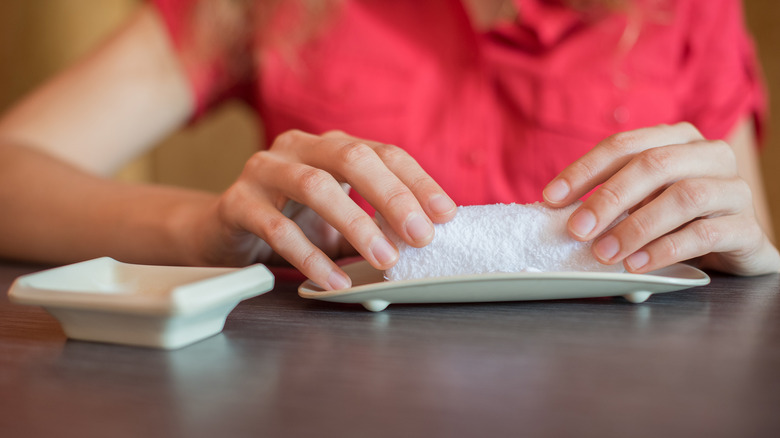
(288,138)
(688,127)
(639,225)
(621,142)
(722,145)
(390,153)
(397,197)
(334,133)
(656,160)
(419,183)
(707,235)
(258,160)
(310,261)
(584,170)
(356,153)
(610,194)
(354,222)
(671,247)
(311,180)
(277,231)
(685,125)
(691,195)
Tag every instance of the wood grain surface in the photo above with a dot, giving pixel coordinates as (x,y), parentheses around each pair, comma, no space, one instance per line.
(701,362)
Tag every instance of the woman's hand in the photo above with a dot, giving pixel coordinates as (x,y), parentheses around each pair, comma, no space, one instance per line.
(248,220)
(55,210)
(684,197)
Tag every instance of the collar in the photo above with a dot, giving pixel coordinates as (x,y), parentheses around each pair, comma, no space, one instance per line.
(548,20)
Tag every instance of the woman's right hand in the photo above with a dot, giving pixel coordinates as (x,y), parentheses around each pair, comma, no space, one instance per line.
(312,170)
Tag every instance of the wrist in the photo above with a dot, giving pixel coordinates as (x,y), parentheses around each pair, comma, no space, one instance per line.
(191,226)
(763,259)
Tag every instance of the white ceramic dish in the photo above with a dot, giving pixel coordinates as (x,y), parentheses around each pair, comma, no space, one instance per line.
(375,294)
(155,306)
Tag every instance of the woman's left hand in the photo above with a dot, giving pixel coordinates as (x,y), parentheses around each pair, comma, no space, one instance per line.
(684,197)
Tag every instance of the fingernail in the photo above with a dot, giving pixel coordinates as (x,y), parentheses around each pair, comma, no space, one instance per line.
(607,247)
(418,228)
(583,223)
(441,204)
(337,280)
(637,260)
(383,251)
(556,191)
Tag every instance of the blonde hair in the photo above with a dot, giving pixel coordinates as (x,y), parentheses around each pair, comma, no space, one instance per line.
(597,5)
(230,27)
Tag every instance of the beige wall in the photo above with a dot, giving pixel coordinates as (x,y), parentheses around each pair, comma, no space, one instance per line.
(39,37)
(762,18)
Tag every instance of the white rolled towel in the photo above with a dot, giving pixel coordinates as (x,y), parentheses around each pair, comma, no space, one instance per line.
(497,238)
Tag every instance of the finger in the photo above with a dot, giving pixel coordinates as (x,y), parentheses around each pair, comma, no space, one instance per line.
(320,191)
(681,203)
(343,155)
(408,198)
(647,200)
(358,163)
(294,210)
(643,175)
(609,156)
(436,203)
(438,206)
(700,237)
(287,239)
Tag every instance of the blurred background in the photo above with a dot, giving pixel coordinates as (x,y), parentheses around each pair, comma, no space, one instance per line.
(40,37)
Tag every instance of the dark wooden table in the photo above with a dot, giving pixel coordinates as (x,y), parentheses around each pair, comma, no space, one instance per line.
(698,363)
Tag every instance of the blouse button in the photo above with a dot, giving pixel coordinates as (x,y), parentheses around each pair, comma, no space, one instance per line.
(621,115)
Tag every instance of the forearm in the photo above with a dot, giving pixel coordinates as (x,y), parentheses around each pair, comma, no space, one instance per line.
(54,213)
(112,105)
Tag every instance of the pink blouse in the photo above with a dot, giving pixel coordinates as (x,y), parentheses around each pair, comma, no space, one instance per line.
(494,115)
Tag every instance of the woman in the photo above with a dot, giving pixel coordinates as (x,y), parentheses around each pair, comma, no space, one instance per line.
(489,101)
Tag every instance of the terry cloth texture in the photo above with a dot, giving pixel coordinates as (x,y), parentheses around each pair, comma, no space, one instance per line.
(497,238)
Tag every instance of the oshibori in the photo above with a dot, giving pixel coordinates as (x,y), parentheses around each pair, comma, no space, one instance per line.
(497,238)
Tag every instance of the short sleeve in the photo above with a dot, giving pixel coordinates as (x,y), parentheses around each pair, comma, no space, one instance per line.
(721,81)
(209,65)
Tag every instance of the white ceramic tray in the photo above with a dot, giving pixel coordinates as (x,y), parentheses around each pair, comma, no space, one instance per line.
(155,306)
(370,289)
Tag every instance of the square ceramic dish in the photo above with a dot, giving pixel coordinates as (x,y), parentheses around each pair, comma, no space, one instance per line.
(155,306)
